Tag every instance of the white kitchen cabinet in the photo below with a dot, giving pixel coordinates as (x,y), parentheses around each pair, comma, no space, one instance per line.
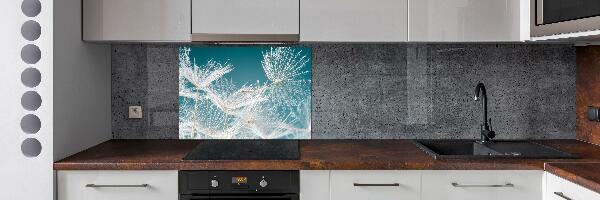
(245,20)
(136,20)
(468,21)
(354,20)
(117,185)
(314,184)
(375,185)
(560,189)
(482,185)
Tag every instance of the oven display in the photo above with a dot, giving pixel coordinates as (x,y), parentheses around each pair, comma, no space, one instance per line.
(239,180)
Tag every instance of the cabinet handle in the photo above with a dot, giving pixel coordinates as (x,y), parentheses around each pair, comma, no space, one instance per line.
(469,186)
(376,184)
(562,195)
(115,186)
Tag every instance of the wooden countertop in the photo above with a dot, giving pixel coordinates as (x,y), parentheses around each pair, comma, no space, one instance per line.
(331,155)
(314,155)
(584,174)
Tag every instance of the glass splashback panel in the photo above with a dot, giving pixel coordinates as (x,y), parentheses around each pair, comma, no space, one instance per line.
(244,93)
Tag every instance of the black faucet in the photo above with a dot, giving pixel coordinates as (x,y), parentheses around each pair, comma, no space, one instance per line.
(487,134)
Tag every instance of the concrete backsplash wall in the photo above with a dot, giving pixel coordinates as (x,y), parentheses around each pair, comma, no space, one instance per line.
(383,90)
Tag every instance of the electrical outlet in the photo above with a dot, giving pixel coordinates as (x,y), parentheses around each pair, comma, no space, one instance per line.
(135,112)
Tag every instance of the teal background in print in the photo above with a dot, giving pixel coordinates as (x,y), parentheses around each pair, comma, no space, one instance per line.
(244,93)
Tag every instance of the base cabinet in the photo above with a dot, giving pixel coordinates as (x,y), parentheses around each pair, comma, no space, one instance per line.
(421,185)
(341,185)
(314,184)
(560,189)
(117,185)
(482,185)
(375,185)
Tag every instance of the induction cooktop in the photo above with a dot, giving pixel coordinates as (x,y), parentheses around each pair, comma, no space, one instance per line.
(245,150)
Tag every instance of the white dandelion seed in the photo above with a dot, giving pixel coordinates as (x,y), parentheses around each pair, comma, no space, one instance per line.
(212,106)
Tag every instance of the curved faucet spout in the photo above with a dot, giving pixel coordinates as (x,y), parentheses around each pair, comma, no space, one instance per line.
(486,133)
(481,88)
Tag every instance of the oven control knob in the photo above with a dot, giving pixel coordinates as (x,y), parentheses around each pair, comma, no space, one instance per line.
(214,183)
(263,183)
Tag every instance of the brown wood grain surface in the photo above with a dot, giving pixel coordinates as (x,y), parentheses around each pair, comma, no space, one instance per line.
(588,92)
(584,174)
(314,155)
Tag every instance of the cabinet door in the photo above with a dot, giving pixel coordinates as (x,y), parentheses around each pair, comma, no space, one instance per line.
(560,189)
(214,20)
(136,20)
(468,21)
(117,185)
(354,20)
(482,185)
(314,184)
(375,185)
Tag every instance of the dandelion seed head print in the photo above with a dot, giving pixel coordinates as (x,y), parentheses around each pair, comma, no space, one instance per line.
(244,93)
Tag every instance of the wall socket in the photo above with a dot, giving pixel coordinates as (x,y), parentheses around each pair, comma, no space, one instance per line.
(135,112)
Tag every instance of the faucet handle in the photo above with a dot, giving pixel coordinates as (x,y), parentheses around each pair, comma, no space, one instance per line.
(492,133)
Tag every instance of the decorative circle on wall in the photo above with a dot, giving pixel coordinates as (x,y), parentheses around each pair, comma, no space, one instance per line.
(31,8)
(31,30)
(31,147)
(31,124)
(31,77)
(31,54)
(31,100)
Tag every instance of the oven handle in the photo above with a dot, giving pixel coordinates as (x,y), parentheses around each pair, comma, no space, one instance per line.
(192,197)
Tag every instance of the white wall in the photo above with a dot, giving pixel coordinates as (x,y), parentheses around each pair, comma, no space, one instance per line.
(81,84)
(22,177)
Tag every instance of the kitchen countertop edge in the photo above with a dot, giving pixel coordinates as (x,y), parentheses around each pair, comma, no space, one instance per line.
(582,174)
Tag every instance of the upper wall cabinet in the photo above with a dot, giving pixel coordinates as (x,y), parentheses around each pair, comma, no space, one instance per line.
(245,20)
(136,20)
(468,20)
(354,20)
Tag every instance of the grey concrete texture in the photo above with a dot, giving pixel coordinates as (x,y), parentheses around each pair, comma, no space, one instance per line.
(383,91)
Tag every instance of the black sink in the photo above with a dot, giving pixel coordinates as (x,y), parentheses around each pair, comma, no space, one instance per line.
(469,149)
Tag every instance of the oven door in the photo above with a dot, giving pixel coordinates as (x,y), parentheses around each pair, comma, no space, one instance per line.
(239,197)
(551,17)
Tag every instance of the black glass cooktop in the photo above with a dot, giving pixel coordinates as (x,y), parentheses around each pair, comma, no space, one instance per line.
(245,150)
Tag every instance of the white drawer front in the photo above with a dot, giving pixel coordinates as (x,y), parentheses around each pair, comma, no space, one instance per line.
(343,188)
(482,185)
(567,189)
(162,185)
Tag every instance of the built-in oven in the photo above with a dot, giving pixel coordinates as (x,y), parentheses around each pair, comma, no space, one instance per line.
(552,17)
(238,185)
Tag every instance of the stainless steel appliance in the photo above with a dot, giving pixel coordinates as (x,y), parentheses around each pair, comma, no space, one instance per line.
(552,17)
(238,185)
